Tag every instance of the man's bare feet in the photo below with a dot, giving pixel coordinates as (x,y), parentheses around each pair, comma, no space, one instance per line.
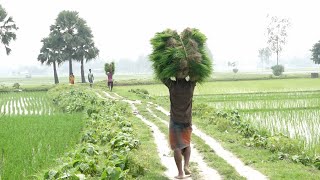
(187,171)
(179,177)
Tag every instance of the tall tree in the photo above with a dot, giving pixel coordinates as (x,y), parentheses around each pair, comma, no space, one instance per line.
(315,57)
(264,55)
(277,34)
(7,29)
(67,24)
(85,49)
(51,52)
(77,39)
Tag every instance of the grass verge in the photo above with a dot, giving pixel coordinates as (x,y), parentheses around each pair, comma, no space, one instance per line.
(146,155)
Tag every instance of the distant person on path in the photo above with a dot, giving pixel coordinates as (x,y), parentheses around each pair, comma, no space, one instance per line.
(90,77)
(71,78)
(110,81)
(181,94)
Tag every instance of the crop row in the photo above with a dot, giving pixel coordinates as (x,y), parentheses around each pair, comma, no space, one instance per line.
(25,104)
(299,124)
(267,104)
(294,114)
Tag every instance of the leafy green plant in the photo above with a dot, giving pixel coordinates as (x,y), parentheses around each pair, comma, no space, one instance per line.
(142,93)
(106,142)
(109,67)
(180,55)
(317,162)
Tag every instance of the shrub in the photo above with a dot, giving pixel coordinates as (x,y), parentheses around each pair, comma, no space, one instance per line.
(235,70)
(277,70)
(16,85)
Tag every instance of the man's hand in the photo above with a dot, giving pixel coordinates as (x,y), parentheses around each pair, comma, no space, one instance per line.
(187,78)
(173,78)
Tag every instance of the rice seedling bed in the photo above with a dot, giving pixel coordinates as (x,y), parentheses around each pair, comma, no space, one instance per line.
(25,103)
(294,114)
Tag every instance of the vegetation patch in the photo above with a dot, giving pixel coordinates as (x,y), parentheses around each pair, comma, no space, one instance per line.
(142,93)
(31,143)
(25,103)
(283,146)
(107,140)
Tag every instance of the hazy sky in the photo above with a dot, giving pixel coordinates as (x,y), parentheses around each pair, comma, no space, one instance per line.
(122,28)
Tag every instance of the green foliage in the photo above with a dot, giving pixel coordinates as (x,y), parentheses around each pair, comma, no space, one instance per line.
(282,146)
(142,93)
(109,67)
(74,100)
(107,139)
(75,39)
(315,57)
(33,142)
(181,55)
(277,70)
(282,143)
(317,162)
(7,29)
(16,86)
(51,52)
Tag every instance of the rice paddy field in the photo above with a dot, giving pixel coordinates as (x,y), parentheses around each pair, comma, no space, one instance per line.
(33,134)
(287,106)
(25,103)
(294,114)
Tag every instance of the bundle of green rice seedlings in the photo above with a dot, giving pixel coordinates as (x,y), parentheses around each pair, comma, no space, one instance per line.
(181,55)
(109,68)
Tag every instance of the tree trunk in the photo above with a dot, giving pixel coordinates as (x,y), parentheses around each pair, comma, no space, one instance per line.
(83,80)
(55,74)
(277,51)
(277,57)
(70,67)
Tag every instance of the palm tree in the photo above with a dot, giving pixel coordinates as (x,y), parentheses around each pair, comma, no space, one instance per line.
(77,43)
(7,29)
(51,54)
(86,52)
(86,49)
(67,24)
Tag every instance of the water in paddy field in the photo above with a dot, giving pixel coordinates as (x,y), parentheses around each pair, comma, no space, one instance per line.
(15,104)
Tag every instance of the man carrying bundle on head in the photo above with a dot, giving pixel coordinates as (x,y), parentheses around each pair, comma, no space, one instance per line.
(109,69)
(110,81)
(180,61)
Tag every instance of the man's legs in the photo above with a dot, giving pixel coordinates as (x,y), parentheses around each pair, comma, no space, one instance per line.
(186,152)
(178,160)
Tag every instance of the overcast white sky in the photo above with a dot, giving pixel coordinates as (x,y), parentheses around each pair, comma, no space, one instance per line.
(122,28)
